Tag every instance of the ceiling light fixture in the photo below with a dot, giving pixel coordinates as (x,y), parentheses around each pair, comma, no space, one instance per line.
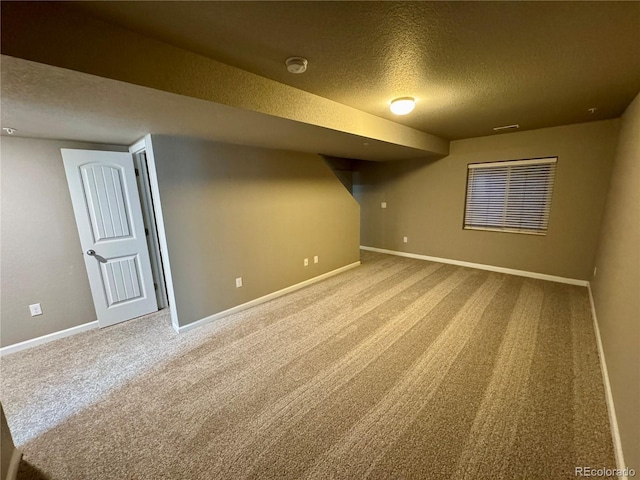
(9,130)
(296,64)
(506,127)
(403,105)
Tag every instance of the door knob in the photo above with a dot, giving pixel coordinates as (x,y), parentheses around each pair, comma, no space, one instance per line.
(91,252)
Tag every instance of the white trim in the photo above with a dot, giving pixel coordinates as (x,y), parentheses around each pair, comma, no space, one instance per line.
(506,230)
(14,464)
(34,342)
(481,266)
(613,420)
(514,163)
(266,298)
(162,234)
(139,146)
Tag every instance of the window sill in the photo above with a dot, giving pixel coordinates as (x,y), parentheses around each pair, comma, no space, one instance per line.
(506,230)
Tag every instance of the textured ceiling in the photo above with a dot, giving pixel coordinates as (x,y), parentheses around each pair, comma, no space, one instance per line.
(216,70)
(471,65)
(76,106)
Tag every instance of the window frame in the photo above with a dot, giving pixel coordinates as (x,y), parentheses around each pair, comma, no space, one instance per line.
(551,160)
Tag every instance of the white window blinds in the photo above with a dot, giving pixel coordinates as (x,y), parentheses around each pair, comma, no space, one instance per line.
(512,196)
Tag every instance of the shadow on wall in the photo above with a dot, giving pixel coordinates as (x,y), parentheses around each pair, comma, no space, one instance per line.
(26,471)
(342,168)
(365,172)
(350,172)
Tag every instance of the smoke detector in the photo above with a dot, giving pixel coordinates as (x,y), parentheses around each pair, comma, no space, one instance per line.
(296,64)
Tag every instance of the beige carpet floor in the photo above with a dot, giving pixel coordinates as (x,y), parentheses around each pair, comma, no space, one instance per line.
(399,369)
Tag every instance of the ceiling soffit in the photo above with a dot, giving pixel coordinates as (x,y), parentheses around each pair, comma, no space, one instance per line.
(43,101)
(51,34)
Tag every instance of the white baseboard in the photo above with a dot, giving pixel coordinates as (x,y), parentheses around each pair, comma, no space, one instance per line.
(265,298)
(481,266)
(16,347)
(613,420)
(14,463)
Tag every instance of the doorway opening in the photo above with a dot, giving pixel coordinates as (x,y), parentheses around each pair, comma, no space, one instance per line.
(139,153)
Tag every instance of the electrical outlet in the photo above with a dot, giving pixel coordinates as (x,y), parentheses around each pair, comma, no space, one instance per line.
(35,309)
(306,262)
(405,239)
(238,282)
(383,205)
(315,259)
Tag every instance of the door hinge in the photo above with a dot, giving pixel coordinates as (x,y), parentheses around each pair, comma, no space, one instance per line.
(146,232)
(137,172)
(155,285)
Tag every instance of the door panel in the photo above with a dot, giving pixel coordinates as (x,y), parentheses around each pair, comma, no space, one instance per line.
(106,201)
(122,279)
(110,224)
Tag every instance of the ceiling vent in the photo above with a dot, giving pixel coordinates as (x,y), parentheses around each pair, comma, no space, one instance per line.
(506,127)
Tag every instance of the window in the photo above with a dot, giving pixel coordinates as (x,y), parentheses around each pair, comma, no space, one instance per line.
(512,196)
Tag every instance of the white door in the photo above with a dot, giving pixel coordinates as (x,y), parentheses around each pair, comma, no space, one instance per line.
(112,234)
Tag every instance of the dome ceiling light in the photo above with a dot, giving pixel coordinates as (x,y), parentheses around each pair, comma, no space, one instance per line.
(296,64)
(403,105)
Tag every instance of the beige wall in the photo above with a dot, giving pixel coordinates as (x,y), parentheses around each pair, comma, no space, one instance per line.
(616,286)
(41,255)
(232,211)
(425,201)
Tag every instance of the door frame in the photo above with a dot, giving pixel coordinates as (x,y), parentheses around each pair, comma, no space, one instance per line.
(151,203)
(138,151)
